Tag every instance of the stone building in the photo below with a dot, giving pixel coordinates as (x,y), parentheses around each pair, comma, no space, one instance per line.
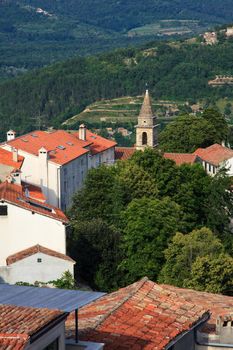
(147,128)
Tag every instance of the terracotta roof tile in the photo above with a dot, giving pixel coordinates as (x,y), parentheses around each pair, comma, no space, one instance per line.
(34,250)
(6,158)
(17,324)
(141,316)
(215,154)
(14,194)
(32,142)
(217,304)
(124,153)
(35,192)
(62,146)
(97,143)
(181,158)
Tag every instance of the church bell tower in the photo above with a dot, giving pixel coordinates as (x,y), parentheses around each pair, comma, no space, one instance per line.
(147,128)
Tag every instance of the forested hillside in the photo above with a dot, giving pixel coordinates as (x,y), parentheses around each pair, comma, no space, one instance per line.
(34,33)
(177,72)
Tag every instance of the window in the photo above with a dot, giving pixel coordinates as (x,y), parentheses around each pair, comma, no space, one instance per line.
(209,168)
(144,138)
(3,210)
(39,260)
(53,346)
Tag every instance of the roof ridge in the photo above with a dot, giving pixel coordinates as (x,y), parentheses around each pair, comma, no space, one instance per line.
(37,249)
(124,300)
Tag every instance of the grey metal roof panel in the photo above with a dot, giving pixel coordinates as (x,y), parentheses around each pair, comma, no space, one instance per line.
(51,298)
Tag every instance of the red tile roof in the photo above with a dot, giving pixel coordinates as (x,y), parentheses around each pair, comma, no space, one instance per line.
(18,324)
(62,146)
(98,143)
(217,304)
(181,158)
(35,192)
(143,315)
(32,142)
(215,154)
(34,250)
(124,153)
(13,341)
(14,194)
(6,158)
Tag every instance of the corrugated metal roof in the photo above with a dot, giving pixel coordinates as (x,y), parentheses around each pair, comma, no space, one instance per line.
(51,298)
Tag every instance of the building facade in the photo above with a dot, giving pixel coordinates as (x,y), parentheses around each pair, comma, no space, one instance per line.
(58,161)
(147,128)
(26,222)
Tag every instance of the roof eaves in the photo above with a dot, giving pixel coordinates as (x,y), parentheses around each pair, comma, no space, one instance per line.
(205,317)
(65,221)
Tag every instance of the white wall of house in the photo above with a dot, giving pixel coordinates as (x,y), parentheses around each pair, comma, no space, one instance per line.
(37,267)
(213,169)
(72,176)
(58,183)
(21,229)
(105,157)
(209,168)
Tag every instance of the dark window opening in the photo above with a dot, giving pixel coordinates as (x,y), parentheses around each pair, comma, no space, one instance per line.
(53,346)
(144,138)
(3,210)
(225,324)
(39,260)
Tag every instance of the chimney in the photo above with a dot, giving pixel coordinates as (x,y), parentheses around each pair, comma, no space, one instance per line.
(15,155)
(82,132)
(10,135)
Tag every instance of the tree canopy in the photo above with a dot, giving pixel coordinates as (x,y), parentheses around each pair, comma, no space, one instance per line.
(187,133)
(125,219)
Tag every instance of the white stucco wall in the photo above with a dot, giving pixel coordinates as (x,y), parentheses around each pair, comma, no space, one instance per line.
(60,183)
(21,229)
(36,172)
(30,270)
(72,177)
(106,157)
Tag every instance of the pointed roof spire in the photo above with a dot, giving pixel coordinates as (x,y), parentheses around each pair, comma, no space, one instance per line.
(146,110)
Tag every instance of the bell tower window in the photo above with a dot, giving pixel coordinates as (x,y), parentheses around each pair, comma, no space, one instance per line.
(144,138)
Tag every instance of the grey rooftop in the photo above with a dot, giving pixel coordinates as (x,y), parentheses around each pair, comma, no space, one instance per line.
(50,298)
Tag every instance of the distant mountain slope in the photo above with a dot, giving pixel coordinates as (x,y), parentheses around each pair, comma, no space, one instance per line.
(177,71)
(34,33)
(125,14)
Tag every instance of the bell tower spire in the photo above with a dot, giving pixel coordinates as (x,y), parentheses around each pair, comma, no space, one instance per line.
(147,128)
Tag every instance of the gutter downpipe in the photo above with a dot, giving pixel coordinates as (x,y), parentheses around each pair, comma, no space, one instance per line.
(205,318)
(213,345)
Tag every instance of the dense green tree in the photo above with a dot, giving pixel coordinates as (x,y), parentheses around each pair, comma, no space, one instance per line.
(95,246)
(212,274)
(183,251)
(219,123)
(186,134)
(99,198)
(218,207)
(149,225)
(135,182)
